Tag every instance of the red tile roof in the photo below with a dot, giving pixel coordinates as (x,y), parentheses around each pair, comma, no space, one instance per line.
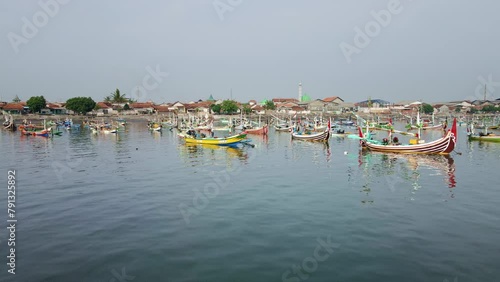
(104,105)
(14,106)
(141,105)
(162,109)
(53,106)
(330,99)
(297,109)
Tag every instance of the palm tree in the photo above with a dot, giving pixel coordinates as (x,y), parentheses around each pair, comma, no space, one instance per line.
(116,97)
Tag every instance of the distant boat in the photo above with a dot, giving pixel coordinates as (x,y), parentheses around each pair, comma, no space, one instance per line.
(9,124)
(282,128)
(481,136)
(263,130)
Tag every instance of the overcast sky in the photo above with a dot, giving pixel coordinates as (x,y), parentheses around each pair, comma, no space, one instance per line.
(428,50)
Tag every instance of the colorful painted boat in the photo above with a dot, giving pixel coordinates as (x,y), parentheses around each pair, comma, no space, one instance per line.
(259,130)
(213,140)
(43,132)
(317,137)
(444,145)
(154,126)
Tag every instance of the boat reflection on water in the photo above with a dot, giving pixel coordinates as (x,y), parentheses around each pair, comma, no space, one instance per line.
(318,151)
(202,153)
(398,171)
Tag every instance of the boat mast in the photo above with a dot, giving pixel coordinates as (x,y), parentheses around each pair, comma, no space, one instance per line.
(418,123)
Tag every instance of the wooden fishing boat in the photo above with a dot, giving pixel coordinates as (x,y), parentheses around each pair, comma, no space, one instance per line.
(263,130)
(339,133)
(9,124)
(490,137)
(282,128)
(189,138)
(35,132)
(444,145)
(155,126)
(308,136)
(481,136)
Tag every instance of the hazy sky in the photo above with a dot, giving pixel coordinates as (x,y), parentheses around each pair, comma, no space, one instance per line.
(428,50)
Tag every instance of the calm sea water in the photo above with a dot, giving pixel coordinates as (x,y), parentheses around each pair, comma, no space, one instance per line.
(142,206)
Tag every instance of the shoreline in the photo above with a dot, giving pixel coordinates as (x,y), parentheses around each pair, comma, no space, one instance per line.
(264,117)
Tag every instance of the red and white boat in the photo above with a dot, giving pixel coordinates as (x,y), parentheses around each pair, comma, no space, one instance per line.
(263,130)
(444,145)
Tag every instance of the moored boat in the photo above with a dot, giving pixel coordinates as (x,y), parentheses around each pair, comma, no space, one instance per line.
(263,130)
(309,136)
(481,136)
(444,145)
(192,137)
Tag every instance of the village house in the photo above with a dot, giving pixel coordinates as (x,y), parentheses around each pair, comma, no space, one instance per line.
(178,107)
(258,109)
(201,108)
(142,107)
(103,109)
(56,108)
(319,105)
(15,108)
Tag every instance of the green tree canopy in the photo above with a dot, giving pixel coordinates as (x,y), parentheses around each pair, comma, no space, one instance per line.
(215,108)
(81,105)
(270,105)
(36,103)
(472,111)
(490,109)
(427,109)
(126,107)
(246,109)
(229,107)
(16,99)
(116,97)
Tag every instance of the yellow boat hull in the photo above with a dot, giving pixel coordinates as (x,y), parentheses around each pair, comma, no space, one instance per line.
(215,141)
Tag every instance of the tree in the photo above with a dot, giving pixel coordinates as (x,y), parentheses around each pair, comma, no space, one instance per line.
(472,111)
(489,108)
(270,105)
(16,99)
(215,108)
(246,109)
(81,105)
(116,97)
(229,107)
(458,109)
(36,103)
(427,109)
(126,107)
